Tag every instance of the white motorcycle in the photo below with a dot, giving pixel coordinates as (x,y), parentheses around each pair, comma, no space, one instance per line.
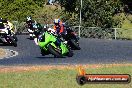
(6,37)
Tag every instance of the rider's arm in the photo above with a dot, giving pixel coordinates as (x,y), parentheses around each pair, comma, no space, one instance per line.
(61,29)
(56,29)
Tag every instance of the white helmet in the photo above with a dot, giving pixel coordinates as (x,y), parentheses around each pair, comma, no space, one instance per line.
(29,18)
(56,21)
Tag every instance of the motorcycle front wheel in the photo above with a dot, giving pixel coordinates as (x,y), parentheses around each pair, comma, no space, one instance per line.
(12,41)
(54,51)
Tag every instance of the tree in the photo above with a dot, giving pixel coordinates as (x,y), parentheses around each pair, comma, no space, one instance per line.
(69,5)
(94,12)
(17,9)
(99,12)
(127,5)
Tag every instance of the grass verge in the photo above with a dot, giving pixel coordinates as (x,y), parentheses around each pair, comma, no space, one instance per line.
(60,78)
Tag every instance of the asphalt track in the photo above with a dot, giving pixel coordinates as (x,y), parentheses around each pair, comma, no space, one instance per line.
(94,51)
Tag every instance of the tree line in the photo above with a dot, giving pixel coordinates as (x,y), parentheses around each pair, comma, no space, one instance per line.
(97,13)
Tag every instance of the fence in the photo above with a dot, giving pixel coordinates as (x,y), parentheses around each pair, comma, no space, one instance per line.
(88,32)
(103,33)
(96,32)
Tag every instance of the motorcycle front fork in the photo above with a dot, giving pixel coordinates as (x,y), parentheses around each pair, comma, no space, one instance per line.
(58,42)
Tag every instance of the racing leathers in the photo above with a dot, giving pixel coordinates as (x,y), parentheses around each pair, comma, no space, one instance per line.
(60,30)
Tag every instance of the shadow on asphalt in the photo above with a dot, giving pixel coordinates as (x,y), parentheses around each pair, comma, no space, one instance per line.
(2,44)
(43,57)
(48,57)
(29,39)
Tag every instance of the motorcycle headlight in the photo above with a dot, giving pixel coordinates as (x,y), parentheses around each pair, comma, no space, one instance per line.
(40,38)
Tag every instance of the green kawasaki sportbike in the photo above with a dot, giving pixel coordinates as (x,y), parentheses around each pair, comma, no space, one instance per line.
(51,44)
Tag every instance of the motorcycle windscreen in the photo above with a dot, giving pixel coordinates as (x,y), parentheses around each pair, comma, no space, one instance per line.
(47,39)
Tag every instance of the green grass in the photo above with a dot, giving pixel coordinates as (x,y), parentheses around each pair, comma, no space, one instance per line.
(59,78)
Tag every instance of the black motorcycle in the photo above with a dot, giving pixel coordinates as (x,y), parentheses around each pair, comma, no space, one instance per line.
(32,28)
(72,38)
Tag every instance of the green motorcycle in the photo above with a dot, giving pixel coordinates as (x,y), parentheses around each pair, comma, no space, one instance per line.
(51,44)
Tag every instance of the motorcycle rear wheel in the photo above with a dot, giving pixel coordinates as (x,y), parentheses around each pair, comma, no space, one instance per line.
(75,45)
(13,41)
(15,37)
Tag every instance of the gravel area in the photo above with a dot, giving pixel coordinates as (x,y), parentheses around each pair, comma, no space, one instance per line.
(6,69)
(2,53)
(7,53)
